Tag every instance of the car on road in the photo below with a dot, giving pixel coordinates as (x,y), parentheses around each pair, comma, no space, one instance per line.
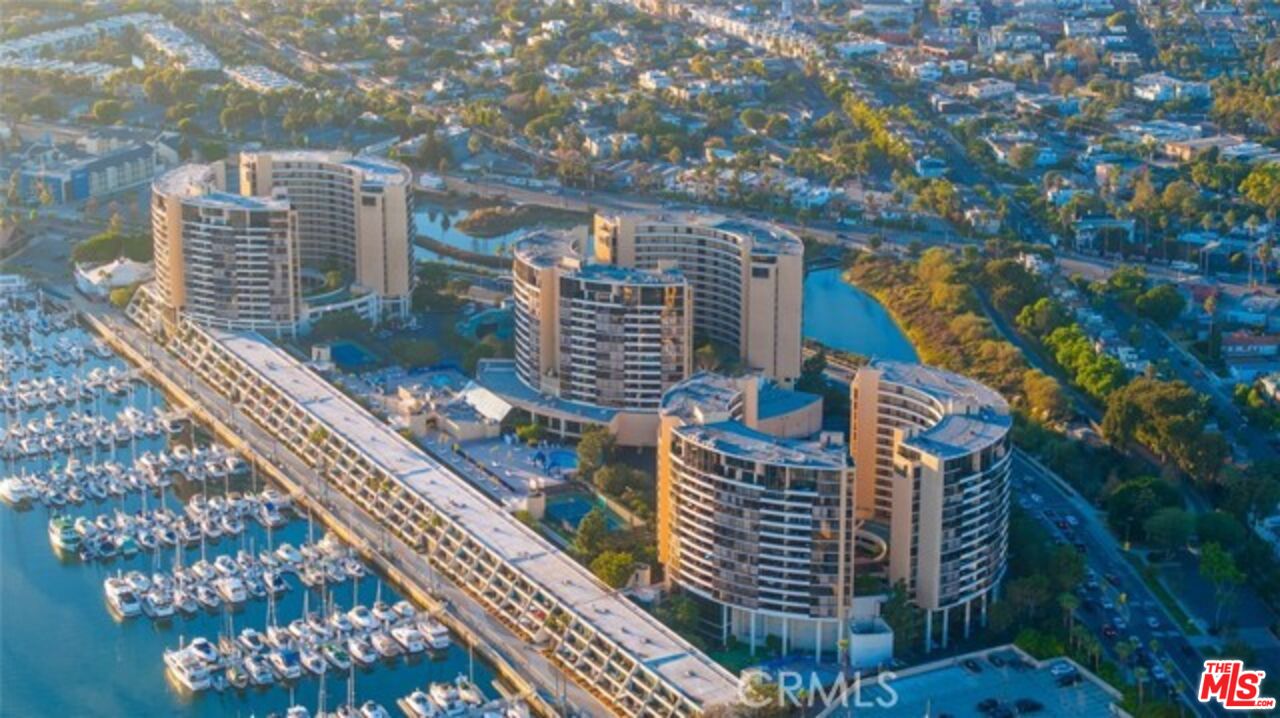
(1109,630)
(1153,623)
(1061,668)
(1113,579)
(971,665)
(1027,705)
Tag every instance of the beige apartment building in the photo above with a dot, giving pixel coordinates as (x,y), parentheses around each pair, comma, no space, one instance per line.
(756,518)
(344,213)
(595,344)
(355,214)
(222,259)
(932,457)
(747,279)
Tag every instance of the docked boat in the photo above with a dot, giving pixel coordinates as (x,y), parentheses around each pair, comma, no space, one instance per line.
(204,649)
(187,669)
(419,705)
(231,589)
(259,671)
(362,650)
(384,613)
(436,634)
(385,645)
(287,664)
(252,641)
(313,661)
(409,638)
(121,597)
(362,618)
(405,610)
(62,534)
(370,709)
(334,653)
(16,491)
(158,603)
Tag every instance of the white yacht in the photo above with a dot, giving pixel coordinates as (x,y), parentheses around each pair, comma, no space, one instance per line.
(419,705)
(409,638)
(231,589)
(436,633)
(16,491)
(187,669)
(121,597)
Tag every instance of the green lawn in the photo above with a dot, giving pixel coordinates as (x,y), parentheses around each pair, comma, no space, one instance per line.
(1158,588)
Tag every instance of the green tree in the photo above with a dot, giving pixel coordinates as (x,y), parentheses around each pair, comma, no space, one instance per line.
(1219,568)
(1169,528)
(1219,527)
(595,449)
(614,567)
(588,539)
(1161,304)
(1045,396)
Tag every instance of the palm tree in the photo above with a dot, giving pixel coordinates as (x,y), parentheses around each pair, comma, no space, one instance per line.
(1140,676)
(1068,602)
(1264,258)
(1124,650)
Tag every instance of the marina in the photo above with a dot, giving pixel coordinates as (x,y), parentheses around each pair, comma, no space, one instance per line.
(161,538)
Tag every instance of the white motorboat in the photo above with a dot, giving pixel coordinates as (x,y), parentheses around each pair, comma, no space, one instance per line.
(286,663)
(419,705)
(362,650)
(259,671)
(121,598)
(405,610)
(16,491)
(385,645)
(436,634)
(204,649)
(313,661)
(362,618)
(231,589)
(409,638)
(187,669)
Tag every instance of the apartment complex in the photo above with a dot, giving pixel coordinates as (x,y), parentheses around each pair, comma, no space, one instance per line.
(747,279)
(223,259)
(595,344)
(756,517)
(257,258)
(932,457)
(355,214)
(628,659)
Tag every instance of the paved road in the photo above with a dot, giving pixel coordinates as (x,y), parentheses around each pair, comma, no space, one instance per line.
(523,656)
(1048,498)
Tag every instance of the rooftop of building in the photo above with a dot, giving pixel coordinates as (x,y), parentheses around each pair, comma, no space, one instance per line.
(621,621)
(545,250)
(733,438)
(197,184)
(765,238)
(975,415)
(376,170)
(947,688)
(500,377)
(708,394)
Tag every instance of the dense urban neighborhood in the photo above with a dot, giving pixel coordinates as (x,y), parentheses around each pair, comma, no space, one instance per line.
(640,357)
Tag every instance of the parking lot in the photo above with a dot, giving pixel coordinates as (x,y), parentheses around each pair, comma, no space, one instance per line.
(1003,682)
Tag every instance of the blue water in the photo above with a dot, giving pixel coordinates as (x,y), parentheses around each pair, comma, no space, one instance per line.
(429,221)
(563,459)
(62,653)
(844,317)
(351,356)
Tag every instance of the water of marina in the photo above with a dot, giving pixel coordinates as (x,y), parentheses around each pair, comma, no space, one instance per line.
(63,654)
(441,223)
(844,317)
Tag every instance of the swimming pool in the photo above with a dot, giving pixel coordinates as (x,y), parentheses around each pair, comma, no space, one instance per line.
(564,459)
(351,356)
